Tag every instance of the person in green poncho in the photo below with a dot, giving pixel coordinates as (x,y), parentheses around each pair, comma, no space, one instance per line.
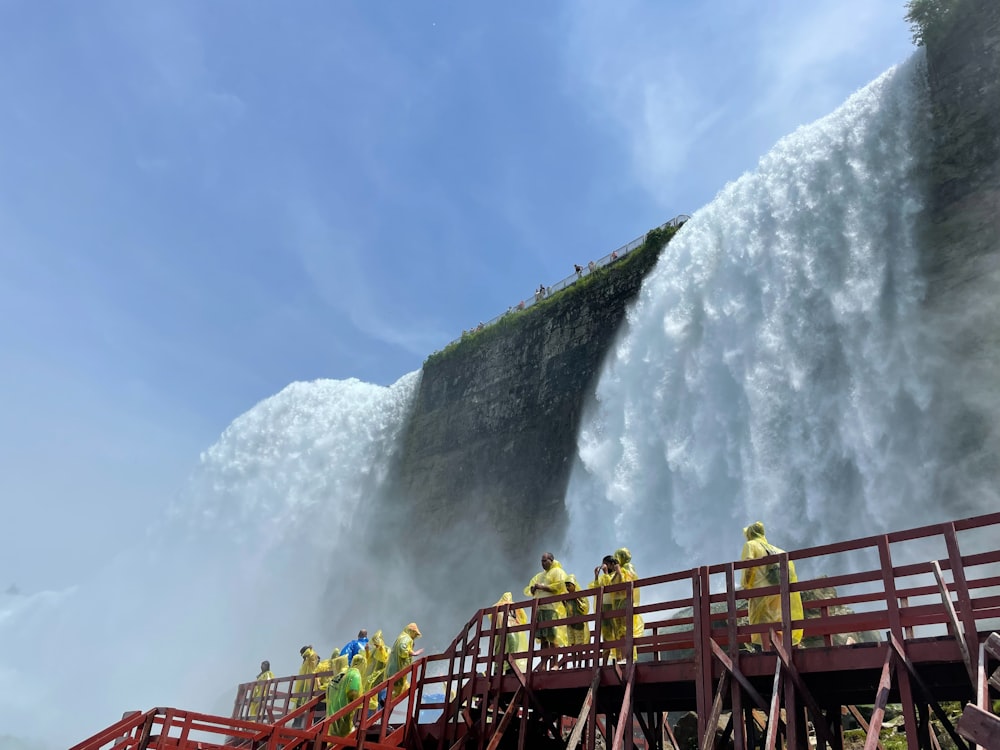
(344,688)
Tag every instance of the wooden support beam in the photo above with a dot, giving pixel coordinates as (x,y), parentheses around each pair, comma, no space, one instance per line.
(982,687)
(895,625)
(774,714)
(736,696)
(992,647)
(529,692)
(932,735)
(647,730)
(981,727)
(956,628)
(727,732)
(835,723)
(592,719)
(625,714)
(670,732)
(708,739)
(881,698)
(864,723)
(702,625)
(924,688)
(738,675)
(581,720)
(961,586)
(796,679)
(504,722)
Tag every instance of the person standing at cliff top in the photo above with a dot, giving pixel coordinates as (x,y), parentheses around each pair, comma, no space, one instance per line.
(551,581)
(767,608)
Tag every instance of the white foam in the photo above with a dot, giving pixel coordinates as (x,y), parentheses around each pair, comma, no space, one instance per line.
(778,364)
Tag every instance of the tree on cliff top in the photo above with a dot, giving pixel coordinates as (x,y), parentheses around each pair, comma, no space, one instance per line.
(929,18)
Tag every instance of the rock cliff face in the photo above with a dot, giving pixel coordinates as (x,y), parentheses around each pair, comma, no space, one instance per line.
(492,437)
(963,65)
(960,235)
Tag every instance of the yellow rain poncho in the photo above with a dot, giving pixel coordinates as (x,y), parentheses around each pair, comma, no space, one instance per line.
(377,656)
(327,666)
(517,642)
(624,558)
(612,628)
(338,665)
(303,688)
(554,578)
(767,608)
(579,634)
(345,687)
(258,691)
(401,657)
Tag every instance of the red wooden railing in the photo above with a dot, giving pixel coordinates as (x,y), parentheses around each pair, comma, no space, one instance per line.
(681,627)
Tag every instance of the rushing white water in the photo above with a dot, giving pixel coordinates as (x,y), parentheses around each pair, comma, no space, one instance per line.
(180,619)
(778,364)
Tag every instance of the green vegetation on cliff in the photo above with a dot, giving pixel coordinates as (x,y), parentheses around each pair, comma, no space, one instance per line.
(930,19)
(656,240)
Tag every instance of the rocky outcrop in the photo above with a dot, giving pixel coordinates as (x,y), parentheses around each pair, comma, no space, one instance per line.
(492,438)
(960,234)
(963,65)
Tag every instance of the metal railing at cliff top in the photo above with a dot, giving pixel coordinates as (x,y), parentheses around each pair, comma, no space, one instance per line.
(591,267)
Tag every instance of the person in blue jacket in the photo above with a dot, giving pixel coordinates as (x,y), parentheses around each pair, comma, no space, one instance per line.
(355,647)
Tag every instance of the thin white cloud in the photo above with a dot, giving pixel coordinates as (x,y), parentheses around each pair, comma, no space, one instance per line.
(688,90)
(338,264)
(172,77)
(640,86)
(804,56)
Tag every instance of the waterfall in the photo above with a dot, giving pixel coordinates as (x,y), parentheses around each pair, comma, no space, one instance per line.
(232,575)
(778,364)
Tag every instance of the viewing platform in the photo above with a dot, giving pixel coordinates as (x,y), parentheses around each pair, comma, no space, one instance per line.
(908,621)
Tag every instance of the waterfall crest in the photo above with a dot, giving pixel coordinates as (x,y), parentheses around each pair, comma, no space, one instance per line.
(778,364)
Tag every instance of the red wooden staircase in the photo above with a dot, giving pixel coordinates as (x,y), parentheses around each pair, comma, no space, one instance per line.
(929,620)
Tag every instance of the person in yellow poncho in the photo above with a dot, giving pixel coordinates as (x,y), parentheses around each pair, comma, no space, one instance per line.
(345,687)
(376,660)
(401,657)
(260,690)
(325,666)
(302,688)
(624,558)
(767,608)
(578,633)
(612,628)
(516,642)
(551,581)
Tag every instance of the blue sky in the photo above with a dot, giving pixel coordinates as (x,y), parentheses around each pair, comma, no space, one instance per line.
(201,202)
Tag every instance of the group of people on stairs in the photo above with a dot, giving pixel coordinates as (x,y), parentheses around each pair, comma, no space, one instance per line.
(362,663)
(349,672)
